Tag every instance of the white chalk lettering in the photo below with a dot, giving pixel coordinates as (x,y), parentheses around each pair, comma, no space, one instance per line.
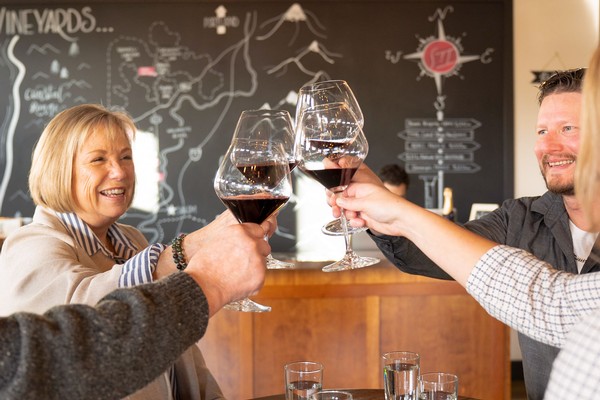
(61,21)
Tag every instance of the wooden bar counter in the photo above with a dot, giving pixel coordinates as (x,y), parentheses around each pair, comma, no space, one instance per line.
(346,320)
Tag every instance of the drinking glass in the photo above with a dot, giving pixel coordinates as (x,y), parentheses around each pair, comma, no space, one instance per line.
(302,379)
(438,386)
(275,128)
(253,181)
(328,92)
(400,375)
(331,147)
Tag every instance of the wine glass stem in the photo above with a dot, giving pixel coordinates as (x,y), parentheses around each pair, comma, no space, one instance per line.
(347,236)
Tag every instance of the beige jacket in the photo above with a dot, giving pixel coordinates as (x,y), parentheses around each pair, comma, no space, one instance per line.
(41,266)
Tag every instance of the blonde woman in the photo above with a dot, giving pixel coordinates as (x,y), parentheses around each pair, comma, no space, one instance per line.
(82,181)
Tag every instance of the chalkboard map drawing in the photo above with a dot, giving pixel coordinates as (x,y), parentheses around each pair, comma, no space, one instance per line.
(295,14)
(166,78)
(314,47)
(159,81)
(438,146)
(46,92)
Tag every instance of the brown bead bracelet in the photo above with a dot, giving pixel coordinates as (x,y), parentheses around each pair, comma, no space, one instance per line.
(177,249)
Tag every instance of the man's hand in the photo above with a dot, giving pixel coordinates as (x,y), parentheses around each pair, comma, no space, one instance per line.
(230,264)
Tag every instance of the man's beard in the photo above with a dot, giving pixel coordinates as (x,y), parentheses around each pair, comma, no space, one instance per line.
(563,189)
(559,186)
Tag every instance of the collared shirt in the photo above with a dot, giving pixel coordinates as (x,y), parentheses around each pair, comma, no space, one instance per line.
(545,304)
(138,266)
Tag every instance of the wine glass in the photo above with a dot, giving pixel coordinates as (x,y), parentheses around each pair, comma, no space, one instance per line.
(331,147)
(253,181)
(328,92)
(274,127)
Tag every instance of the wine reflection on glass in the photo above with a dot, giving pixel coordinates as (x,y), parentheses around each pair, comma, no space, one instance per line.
(253,181)
(329,92)
(331,147)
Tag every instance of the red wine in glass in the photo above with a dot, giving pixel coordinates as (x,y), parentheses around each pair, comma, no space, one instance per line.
(332,178)
(250,208)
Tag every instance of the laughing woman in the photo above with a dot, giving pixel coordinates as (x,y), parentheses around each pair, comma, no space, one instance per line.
(82,181)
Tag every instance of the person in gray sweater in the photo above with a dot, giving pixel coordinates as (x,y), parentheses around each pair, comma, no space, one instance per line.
(81,352)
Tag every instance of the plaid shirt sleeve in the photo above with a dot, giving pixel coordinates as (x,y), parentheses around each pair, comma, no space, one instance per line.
(530,296)
(139,268)
(575,372)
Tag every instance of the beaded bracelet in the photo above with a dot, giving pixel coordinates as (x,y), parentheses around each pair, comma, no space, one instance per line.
(177,248)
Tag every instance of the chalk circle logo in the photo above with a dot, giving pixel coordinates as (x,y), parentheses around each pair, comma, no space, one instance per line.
(440,57)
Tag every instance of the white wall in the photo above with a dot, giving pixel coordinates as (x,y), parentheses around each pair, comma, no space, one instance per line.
(548,35)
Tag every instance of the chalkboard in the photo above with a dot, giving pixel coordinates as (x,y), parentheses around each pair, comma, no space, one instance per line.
(434,80)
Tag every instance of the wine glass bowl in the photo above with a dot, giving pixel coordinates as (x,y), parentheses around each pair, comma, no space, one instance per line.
(328,92)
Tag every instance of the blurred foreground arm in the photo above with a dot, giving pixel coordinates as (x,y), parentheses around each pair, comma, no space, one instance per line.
(81,352)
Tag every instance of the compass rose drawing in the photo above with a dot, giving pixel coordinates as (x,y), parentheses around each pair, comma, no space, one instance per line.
(441,57)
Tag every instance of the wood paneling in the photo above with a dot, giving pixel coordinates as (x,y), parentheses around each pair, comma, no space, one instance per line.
(346,320)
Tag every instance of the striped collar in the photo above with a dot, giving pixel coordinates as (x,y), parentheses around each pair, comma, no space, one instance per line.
(87,239)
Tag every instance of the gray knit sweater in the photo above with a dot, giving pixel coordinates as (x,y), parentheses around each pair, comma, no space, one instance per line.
(81,352)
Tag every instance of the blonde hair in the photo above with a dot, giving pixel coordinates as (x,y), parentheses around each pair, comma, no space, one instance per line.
(587,172)
(51,173)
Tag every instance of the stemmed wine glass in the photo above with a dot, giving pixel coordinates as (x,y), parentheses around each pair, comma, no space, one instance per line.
(331,147)
(328,92)
(253,181)
(275,128)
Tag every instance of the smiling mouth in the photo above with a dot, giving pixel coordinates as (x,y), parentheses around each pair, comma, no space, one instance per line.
(560,163)
(113,192)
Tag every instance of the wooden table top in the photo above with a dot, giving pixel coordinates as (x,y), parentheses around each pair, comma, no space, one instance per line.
(357,394)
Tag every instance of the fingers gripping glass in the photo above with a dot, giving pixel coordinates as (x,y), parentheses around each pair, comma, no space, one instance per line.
(331,147)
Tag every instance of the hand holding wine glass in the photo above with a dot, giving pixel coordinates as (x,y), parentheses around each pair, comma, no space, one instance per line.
(331,147)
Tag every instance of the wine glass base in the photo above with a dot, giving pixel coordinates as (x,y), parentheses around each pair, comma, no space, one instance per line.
(351,261)
(273,263)
(334,228)
(246,305)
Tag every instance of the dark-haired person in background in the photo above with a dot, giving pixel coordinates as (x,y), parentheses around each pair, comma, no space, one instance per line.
(394,178)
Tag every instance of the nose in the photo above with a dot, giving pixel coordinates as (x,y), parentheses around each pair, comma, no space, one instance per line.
(117,170)
(551,141)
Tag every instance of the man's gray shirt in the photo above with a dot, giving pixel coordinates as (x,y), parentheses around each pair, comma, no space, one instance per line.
(539,225)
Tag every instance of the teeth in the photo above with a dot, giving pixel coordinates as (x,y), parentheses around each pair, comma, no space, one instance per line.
(558,163)
(113,192)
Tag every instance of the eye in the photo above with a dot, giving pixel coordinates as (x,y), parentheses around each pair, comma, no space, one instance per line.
(570,130)
(97,159)
(542,132)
